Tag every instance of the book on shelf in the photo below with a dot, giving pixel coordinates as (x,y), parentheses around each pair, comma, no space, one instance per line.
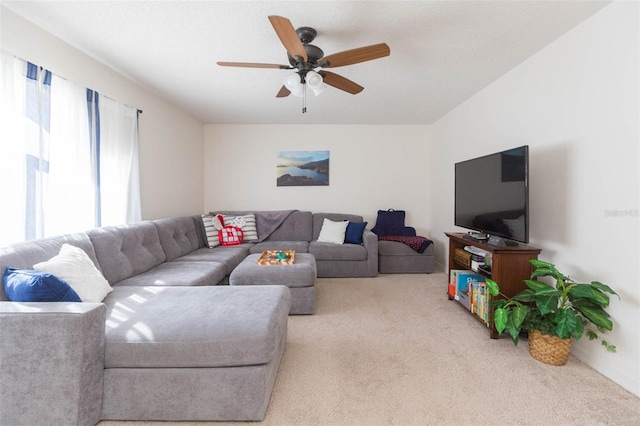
(451,290)
(453,282)
(479,300)
(463,298)
(462,281)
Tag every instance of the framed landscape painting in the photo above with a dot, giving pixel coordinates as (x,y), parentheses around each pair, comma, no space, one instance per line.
(302,168)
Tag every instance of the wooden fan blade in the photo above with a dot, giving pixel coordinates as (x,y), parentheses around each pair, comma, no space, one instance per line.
(354,56)
(288,36)
(283,93)
(340,82)
(254,65)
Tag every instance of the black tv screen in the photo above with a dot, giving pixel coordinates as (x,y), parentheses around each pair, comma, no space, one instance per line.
(492,194)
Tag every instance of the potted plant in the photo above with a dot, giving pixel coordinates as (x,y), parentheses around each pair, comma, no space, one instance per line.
(553,315)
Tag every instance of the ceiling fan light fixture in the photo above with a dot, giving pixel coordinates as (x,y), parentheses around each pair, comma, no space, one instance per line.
(314,80)
(298,91)
(319,89)
(293,83)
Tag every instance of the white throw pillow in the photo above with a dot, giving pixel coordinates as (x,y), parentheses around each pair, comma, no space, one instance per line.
(75,267)
(332,232)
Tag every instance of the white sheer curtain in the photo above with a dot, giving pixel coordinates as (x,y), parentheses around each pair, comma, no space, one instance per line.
(70,195)
(119,180)
(13,129)
(58,173)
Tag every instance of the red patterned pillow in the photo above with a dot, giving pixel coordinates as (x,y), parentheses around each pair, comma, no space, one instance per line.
(231,236)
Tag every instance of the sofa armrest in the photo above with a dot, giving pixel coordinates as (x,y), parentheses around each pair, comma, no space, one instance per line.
(370,242)
(52,365)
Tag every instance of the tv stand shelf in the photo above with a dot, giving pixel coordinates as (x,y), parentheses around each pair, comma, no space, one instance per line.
(509,267)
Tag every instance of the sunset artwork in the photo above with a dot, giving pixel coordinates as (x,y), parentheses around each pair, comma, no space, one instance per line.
(302,168)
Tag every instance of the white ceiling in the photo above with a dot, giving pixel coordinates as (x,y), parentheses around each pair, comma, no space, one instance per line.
(442,52)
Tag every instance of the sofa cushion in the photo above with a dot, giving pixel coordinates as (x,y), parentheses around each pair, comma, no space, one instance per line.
(178,236)
(157,327)
(176,273)
(330,251)
(74,266)
(27,285)
(230,257)
(127,250)
(296,227)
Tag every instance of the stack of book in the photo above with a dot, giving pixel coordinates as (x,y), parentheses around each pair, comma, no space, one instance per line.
(469,289)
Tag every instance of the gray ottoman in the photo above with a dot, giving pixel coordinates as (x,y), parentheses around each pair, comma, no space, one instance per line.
(398,258)
(299,277)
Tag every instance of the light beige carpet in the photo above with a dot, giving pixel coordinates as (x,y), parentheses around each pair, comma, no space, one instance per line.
(392,350)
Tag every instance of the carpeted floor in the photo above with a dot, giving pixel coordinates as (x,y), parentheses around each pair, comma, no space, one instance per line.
(392,350)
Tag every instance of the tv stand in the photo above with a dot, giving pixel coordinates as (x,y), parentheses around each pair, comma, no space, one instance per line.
(509,268)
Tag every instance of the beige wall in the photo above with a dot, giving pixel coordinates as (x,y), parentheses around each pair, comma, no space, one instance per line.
(171,168)
(371,168)
(575,103)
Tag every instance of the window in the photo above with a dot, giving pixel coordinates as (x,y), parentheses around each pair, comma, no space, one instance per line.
(68,156)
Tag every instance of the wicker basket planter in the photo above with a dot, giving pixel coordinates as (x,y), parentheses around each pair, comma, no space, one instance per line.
(549,349)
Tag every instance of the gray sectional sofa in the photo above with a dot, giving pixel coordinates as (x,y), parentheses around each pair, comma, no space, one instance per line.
(168,342)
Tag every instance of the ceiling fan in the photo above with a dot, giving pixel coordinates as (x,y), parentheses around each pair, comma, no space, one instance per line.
(306,58)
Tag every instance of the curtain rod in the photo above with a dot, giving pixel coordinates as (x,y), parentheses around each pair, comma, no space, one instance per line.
(42,68)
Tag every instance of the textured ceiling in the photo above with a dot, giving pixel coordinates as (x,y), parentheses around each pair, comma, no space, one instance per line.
(442,52)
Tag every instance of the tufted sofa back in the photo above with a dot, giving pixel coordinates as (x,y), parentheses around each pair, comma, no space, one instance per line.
(127,250)
(178,236)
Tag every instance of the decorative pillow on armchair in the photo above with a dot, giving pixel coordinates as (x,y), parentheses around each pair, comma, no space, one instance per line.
(247,223)
(332,232)
(23,285)
(212,224)
(75,267)
(353,235)
(389,222)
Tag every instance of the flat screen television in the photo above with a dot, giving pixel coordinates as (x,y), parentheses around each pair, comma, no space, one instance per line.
(492,195)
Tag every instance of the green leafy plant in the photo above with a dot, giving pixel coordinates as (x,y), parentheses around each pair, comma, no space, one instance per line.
(564,310)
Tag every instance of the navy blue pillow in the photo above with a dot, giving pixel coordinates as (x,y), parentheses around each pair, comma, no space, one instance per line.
(389,222)
(24,285)
(353,235)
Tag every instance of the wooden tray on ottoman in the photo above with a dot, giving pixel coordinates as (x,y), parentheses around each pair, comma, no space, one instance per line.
(271,257)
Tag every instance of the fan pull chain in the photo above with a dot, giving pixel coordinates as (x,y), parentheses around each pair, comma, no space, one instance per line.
(304,98)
